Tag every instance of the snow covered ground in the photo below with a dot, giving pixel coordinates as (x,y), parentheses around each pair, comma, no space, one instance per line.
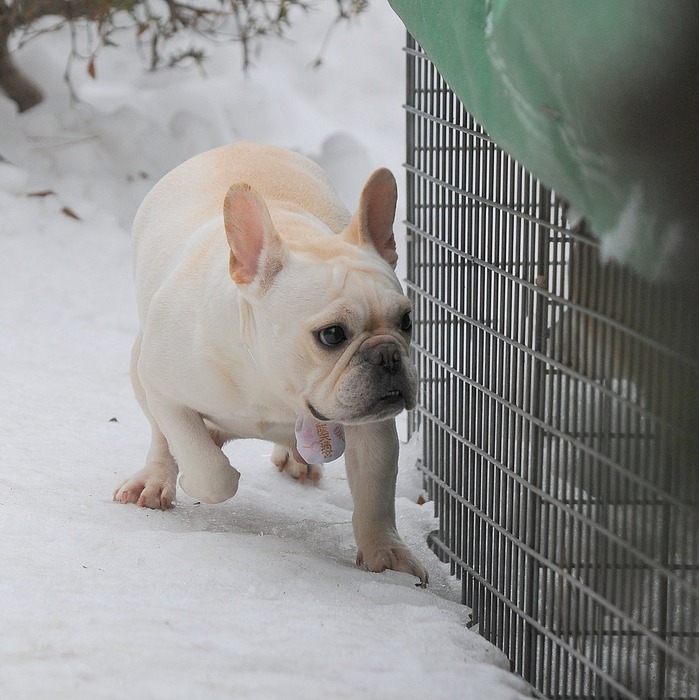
(258,597)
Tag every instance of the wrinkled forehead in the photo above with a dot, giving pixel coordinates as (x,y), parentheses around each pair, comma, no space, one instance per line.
(367,296)
(356,286)
(364,273)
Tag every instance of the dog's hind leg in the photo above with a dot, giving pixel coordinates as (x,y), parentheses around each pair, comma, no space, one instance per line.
(155,485)
(286,461)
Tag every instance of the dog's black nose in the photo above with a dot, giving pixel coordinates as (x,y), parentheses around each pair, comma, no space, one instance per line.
(384,355)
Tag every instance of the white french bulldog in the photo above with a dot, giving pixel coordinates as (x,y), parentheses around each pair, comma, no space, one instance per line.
(264,307)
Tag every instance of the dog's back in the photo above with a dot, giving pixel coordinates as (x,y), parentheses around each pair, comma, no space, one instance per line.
(191,196)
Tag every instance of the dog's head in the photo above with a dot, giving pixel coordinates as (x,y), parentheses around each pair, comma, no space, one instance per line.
(327,317)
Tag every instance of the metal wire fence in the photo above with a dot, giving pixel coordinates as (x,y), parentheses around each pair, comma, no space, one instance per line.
(558,418)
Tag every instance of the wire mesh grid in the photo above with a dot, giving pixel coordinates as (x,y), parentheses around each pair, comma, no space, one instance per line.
(560,444)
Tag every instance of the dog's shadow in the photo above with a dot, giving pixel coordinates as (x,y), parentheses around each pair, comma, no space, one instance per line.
(316,518)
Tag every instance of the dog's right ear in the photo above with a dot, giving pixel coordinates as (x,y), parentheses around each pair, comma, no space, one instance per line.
(257,251)
(372,223)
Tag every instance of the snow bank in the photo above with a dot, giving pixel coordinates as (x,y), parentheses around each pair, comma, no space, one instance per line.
(258,597)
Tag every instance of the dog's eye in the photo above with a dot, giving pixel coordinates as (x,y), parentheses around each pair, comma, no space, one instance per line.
(406,323)
(332,336)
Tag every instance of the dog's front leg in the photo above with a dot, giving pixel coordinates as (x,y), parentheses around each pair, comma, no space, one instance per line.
(371,459)
(205,472)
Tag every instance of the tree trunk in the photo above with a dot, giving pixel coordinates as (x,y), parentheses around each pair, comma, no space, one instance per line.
(14,83)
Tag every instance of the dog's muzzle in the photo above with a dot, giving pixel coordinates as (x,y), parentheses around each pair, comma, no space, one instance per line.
(385,355)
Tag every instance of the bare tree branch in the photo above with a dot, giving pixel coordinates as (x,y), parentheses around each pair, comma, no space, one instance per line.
(242,21)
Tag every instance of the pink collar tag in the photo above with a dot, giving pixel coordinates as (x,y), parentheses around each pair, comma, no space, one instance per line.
(319,442)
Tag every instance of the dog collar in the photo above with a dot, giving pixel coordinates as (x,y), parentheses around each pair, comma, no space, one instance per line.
(318,442)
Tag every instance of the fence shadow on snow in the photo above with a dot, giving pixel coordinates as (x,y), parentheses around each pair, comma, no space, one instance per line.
(558,415)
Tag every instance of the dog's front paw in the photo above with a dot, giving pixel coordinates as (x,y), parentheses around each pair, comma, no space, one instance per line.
(392,556)
(150,489)
(286,462)
(215,483)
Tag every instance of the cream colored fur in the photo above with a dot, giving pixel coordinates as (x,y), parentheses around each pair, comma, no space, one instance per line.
(244,257)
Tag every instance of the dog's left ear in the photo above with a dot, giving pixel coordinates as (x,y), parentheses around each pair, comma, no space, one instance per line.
(373,222)
(257,250)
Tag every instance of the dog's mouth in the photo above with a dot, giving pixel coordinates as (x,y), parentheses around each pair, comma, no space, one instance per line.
(387,405)
(392,396)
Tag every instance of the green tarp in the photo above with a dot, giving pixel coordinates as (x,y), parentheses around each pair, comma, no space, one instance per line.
(597,98)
